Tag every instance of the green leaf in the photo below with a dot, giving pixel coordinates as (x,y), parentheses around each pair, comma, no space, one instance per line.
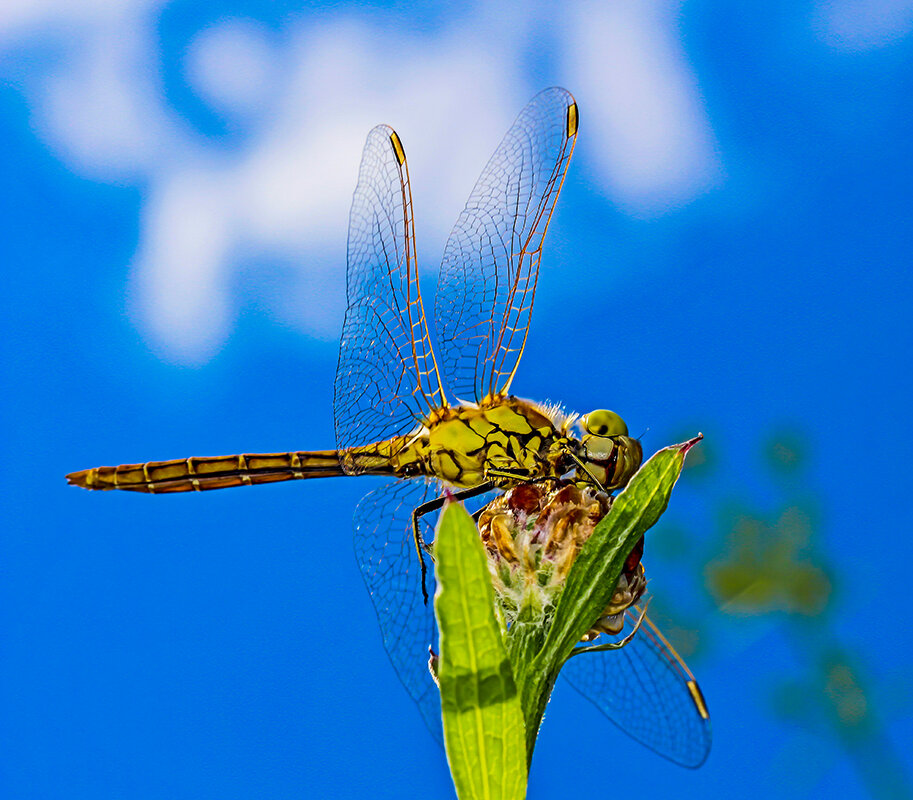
(596,570)
(483,721)
(594,575)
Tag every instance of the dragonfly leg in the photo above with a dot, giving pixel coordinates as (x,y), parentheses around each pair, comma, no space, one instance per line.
(421,547)
(615,645)
(518,475)
(583,466)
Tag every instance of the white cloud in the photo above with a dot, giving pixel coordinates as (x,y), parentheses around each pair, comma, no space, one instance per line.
(20,18)
(287,197)
(653,140)
(307,100)
(103,113)
(232,65)
(863,24)
(180,293)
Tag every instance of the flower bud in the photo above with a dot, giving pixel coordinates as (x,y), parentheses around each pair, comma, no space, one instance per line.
(533,533)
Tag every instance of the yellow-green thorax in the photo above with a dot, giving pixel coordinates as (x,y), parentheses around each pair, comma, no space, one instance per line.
(505,441)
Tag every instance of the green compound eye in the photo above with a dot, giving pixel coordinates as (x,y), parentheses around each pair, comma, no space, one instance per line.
(603,422)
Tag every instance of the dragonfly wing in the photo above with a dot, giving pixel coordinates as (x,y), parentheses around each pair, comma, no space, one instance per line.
(389,564)
(648,692)
(488,276)
(387,378)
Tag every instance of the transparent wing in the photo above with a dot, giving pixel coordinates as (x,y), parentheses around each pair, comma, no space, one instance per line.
(389,564)
(386,379)
(488,276)
(648,692)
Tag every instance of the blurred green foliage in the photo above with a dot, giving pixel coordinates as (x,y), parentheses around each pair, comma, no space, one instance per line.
(761,564)
(767,567)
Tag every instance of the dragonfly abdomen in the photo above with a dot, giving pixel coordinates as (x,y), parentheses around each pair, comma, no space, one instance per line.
(198,474)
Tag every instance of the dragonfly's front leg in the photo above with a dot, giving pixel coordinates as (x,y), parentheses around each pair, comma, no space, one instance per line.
(576,459)
(421,547)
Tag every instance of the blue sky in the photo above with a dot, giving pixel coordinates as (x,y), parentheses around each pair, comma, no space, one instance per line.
(730,253)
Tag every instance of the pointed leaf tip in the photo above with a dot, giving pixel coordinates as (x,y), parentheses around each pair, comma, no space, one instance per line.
(686,446)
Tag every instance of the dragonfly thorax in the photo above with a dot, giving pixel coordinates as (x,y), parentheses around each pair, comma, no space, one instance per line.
(503,440)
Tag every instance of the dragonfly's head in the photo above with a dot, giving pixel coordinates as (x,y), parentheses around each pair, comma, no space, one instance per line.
(607,453)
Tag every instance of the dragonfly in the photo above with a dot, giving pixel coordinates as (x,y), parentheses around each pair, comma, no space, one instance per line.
(435,419)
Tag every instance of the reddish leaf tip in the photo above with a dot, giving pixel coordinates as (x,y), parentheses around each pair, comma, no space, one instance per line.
(690,443)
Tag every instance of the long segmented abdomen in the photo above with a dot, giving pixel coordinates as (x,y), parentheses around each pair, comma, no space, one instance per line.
(197,474)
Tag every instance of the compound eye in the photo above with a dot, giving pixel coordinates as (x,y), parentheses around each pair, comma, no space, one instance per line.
(603,422)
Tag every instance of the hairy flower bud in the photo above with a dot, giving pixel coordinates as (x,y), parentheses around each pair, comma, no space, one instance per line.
(533,533)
